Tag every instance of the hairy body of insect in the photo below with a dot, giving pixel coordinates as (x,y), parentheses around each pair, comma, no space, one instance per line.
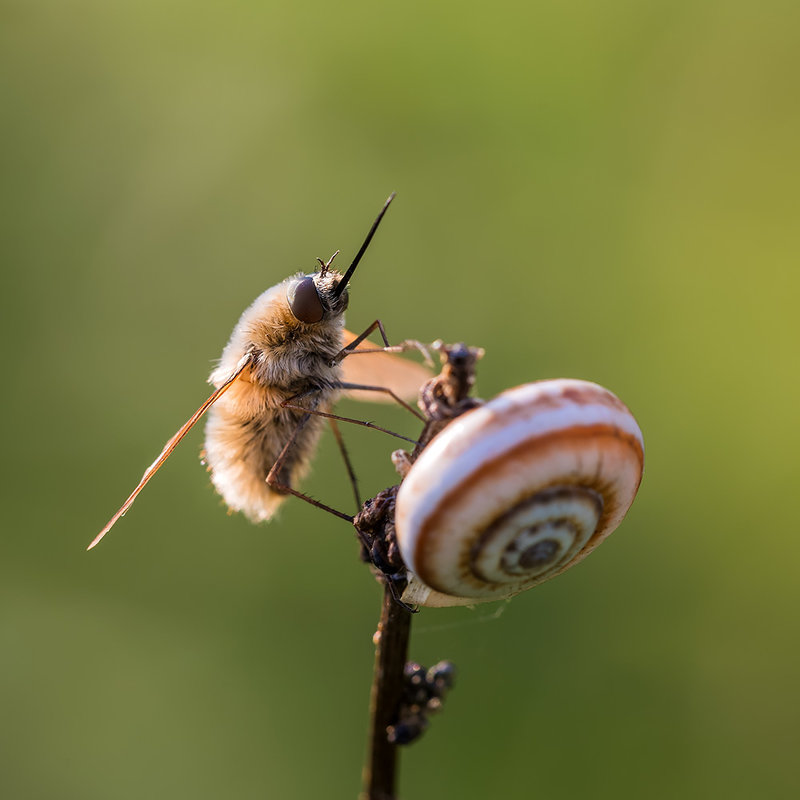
(248,427)
(277,381)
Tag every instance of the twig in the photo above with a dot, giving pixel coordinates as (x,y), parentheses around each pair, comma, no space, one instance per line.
(394,630)
(443,398)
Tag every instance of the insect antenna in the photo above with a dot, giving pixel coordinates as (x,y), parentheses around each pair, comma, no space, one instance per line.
(326,265)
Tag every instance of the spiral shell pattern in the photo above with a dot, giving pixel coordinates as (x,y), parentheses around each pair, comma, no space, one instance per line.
(516,491)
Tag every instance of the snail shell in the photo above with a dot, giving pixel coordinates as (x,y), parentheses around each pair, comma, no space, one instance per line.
(516,491)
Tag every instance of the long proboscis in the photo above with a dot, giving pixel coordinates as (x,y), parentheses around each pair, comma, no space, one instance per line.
(170,446)
(352,268)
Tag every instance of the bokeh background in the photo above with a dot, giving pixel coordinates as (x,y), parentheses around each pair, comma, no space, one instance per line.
(606,190)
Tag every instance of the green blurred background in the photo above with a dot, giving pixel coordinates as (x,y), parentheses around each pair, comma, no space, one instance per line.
(606,190)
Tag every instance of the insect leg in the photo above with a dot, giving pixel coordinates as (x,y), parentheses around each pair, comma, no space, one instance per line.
(272,477)
(274,482)
(346,457)
(364,423)
(402,347)
(345,351)
(386,390)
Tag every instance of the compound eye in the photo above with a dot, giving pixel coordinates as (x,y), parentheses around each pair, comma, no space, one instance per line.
(304,301)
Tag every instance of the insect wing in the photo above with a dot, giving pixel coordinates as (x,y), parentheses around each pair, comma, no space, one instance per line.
(387,370)
(170,446)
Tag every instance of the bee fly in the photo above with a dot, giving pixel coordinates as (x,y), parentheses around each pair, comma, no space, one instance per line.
(280,375)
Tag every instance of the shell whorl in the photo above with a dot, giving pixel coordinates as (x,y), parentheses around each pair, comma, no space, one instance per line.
(516,491)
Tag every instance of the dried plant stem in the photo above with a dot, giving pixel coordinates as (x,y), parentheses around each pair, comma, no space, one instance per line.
(442,399)
(394,630)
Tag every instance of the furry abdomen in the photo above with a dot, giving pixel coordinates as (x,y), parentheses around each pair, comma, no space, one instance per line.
(241,448)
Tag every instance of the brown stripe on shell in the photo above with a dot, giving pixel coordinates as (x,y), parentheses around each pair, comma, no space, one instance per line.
(585,395)
(581,393)
(603,434)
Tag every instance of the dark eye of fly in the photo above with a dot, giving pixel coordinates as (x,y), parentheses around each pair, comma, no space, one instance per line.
(304,301)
